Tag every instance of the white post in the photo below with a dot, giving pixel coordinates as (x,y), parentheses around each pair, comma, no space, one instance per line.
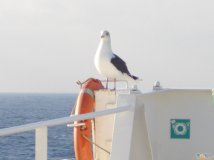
(123,129)
(41,143)
(130,132)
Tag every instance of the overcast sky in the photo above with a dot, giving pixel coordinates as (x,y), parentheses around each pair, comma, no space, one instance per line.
(47,45)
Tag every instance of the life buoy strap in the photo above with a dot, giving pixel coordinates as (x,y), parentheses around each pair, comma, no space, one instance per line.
(88,91)
(89,140)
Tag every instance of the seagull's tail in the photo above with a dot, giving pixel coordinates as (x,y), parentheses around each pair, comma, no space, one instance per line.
(133,77)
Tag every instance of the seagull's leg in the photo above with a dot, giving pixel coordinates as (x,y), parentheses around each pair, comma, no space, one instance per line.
(114,83)
(107,84)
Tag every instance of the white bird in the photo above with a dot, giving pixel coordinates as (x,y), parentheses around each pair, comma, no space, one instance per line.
(109,64)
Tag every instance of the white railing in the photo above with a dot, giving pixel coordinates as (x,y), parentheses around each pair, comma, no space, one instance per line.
(41,128)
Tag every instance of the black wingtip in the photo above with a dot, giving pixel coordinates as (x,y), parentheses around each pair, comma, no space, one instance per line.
(134,77)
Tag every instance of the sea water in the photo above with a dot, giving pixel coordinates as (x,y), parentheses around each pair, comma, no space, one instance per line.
(19,109)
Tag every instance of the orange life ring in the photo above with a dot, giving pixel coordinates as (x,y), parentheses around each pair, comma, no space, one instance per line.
(85,104)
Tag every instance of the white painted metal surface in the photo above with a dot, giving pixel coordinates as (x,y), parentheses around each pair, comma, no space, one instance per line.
(144,132)
(130,137)
(105,99)
(193,105)
(41,143)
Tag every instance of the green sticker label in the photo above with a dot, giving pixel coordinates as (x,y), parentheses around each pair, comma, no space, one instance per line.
(180,128)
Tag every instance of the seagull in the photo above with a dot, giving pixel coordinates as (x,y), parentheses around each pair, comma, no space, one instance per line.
(109,64)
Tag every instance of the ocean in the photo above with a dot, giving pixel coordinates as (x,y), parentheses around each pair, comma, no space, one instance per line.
(19,109)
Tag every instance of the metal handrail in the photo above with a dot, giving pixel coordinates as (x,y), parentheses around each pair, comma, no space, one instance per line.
(60,121)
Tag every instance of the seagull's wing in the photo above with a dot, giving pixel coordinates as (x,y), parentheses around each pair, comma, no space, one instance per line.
(119,64)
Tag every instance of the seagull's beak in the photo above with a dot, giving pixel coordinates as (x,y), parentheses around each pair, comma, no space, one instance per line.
(102,36)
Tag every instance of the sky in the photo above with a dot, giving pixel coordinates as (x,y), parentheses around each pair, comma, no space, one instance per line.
(47,45)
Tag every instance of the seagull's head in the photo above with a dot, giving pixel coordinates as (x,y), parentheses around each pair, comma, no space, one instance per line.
(105,35)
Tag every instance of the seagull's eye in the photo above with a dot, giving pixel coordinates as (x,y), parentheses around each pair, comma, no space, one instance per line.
(107,33)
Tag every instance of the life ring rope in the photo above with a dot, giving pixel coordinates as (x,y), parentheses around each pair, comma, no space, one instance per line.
(88,139)
(83,126)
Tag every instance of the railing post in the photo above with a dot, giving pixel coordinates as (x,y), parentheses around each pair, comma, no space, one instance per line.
(41,145)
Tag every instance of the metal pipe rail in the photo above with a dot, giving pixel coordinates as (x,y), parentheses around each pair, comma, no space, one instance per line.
(41,128)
